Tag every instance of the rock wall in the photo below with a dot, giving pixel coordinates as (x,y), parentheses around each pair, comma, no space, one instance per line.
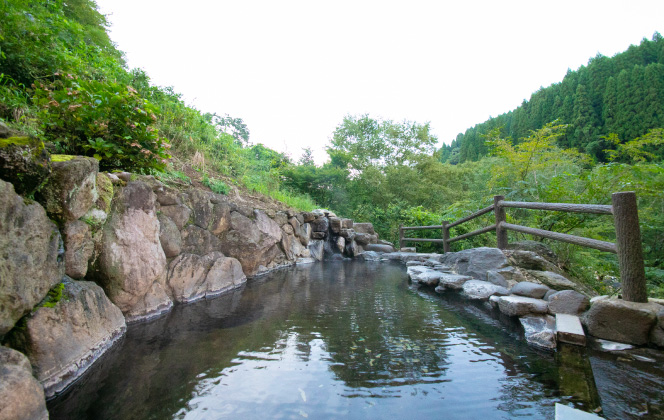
(96,251)
(528,285)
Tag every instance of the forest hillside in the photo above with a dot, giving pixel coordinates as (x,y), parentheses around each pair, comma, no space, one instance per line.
(621,95)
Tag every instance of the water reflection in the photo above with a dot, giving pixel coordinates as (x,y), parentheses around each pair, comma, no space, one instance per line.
(321,341)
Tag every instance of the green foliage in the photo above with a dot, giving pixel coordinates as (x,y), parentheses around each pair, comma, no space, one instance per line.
(623,94)
(38,39)
(647,148)
(102,119)
(361,142)
(172,176)
(216,185)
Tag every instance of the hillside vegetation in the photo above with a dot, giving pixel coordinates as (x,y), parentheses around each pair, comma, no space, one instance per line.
(597,132)
(62,79)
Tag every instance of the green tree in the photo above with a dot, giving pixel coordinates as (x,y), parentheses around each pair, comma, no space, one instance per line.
(363,142)
(585,120)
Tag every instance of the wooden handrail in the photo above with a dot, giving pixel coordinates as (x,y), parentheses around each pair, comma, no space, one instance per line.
(472,216)
(626,220)
(563,237)
(566,207)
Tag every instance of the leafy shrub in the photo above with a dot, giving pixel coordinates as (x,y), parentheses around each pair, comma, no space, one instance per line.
(106,120)
(216,185)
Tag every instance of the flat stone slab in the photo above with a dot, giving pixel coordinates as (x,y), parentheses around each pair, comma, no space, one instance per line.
(530,289)
(569,329)
(607,345)
(520,305)
(409,256)
(453,281)
(564,412)
(424,275)
(482,290)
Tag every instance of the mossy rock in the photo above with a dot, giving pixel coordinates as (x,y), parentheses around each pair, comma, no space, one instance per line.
(24,162)
(105,191)
(71,189)
(62,158)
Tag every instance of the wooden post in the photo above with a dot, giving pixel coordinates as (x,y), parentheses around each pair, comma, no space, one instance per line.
(401,237)
(446,237)
(499,211)
(628,241)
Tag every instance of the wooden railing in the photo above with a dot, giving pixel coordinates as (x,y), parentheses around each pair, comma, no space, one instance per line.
(626,221)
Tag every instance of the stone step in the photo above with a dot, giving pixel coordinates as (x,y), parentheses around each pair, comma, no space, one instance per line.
(564,412)
(570,330)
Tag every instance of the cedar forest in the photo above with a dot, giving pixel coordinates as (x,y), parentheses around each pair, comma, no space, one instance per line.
(596,132)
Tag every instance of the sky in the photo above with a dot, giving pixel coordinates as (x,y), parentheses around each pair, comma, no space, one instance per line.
(293,69)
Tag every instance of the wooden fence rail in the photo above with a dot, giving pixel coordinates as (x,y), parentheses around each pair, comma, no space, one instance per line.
(626,221)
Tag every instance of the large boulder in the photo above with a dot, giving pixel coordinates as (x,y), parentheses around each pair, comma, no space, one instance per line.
(364,228)
(363,238)
(220,221)
(352,248)
(201,206)
(379,248)
(98,213)
(540,330)
(169,237)
(78,248)
(476,262)
(568,302)
(31,261)
(192,277)
(623,321)
(21,395)
(166,196)
(657,333)
(290,245)
(320,224)
(24,162)
(530,260)
(305,233)
(71,190)
(317,249)
(196,240)
(131,266)
(251,241)
(539,248)
(178,213)
(335,224)
(65,336)
(553,280)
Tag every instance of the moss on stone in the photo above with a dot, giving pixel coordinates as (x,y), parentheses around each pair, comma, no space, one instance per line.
(105,191)
(62,158)
(24,162)
(34,145)
(20,141)
(53,296)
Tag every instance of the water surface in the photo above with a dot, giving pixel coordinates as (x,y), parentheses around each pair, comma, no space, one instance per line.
(331,340)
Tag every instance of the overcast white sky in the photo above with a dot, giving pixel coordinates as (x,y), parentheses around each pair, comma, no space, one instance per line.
(292,69)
